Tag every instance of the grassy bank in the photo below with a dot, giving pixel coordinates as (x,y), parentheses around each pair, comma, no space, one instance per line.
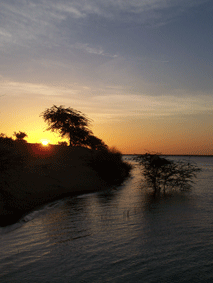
(32,175)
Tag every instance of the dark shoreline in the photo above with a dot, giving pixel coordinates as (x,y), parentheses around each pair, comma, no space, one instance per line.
(49,174)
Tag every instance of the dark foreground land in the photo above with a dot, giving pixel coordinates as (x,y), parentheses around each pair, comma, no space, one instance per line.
(31,175)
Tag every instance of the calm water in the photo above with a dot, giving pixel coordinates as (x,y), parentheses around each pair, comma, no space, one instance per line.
(120,235)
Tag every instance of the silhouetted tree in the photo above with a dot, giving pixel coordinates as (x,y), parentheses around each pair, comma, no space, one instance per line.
(163,174)
(96,143)
(68,122)
(20,136)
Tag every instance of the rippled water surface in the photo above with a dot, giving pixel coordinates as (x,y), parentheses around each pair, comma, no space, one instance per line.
(119,235)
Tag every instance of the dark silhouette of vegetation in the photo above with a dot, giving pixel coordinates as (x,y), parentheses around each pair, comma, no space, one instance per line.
(162,174)
(63,143)
(68,122)
(71,123)
(20,136)
(109,165)
(4,159)
(10,159)
(95,143)
(9,155)
(6,140)
(5,143)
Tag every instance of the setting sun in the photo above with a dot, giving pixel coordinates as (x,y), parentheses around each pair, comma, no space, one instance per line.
(45,142)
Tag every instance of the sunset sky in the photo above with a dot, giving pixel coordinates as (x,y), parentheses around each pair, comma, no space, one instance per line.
(141,70)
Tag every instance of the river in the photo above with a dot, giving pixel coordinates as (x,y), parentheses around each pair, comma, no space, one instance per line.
(120,235)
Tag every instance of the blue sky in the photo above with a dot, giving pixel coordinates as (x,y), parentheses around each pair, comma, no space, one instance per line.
(142,70)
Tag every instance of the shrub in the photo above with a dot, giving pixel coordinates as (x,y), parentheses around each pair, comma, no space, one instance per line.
(20,136)
(6,140)
(109,165)
(163,174)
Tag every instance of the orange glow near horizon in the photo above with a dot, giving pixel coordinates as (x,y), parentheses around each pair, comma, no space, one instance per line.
(161,136)
(130,135)
(135,137)
(45,142)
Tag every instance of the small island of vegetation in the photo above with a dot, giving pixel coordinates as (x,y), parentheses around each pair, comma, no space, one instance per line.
(163,175)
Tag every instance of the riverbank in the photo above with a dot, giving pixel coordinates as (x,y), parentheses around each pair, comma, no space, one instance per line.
(48,173)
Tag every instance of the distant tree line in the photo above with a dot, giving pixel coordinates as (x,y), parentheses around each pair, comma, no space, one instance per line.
(20,137)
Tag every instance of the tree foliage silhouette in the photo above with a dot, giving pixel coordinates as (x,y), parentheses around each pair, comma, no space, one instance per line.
(162,174)
(20,136)
(68,122)
(95,143)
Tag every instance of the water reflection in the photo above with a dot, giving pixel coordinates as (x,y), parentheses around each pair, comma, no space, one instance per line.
(91,215)
(152,200)
(69,221)
(125,235)
(108,195)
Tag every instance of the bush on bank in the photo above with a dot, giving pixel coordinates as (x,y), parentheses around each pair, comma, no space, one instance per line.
(109,165)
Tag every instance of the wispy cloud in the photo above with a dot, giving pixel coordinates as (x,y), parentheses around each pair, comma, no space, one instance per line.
(25,22)
(4,33)
(28,20)
(150,11)
(112,8)
(13,88)
(92,50)
(113,106)
(68,8)
(146,106)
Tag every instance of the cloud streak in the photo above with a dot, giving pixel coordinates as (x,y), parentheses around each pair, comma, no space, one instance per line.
(114,9)
(24,21)
(113,106)
(146,106)
(92,50)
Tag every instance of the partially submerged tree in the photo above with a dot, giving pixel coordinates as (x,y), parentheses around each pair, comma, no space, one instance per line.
(163,174)
(68,122)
